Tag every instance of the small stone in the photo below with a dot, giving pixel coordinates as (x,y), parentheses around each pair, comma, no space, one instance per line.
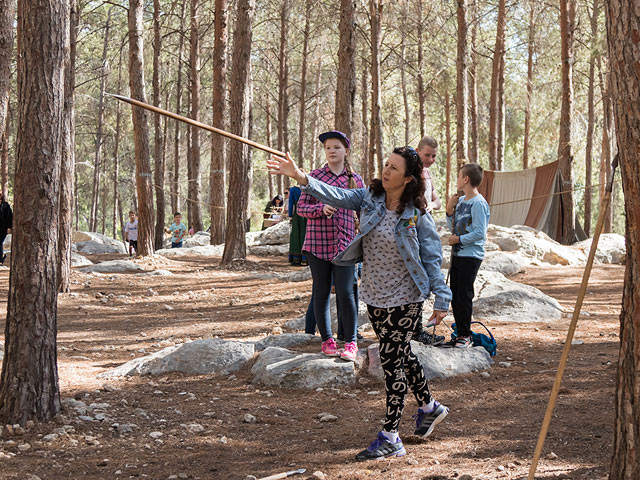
(577,342)
(412,461)
(250,477)
(183,475)
(50,438)
(104,300)
(318,474)
(173,477)
(223,440)
(552,456)
(504,364)
(485,374)
(23,447)
(18,430)
(248,418)
(168,307)
(30,424)
(108,388)
(501,468)
(155,434)
(328,418)
(194,428)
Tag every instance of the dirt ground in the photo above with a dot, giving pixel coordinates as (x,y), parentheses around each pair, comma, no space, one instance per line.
(490,433)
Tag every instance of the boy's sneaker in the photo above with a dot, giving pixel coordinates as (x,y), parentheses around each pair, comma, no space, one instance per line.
(428,339)
(459,342)
(350,352)
(426,422)
(381,448)
(330,348)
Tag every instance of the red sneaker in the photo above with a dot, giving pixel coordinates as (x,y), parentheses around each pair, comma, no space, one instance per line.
(350,352)
(330,348)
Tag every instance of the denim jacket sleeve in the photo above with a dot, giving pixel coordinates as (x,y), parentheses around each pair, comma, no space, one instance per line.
(349,198)
(431,257)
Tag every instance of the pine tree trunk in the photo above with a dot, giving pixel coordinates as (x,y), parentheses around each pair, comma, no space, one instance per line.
(283,87)
(606,150)
(501,118)
(218,144)
(375,133)
(303,83)
(7,17)
(67,169)
(270,141)
(140,130)
(29,387)
(97,162)
(158,135)
(403,83)
(565,148)
(116,159)
(588,167)
(421,93)
(177,133)
(462,89)
(194,196)
(364,97)
(316,119)
(240,168)
(498,54)
(447,115)
(473,87)
(346,85)
(623,25)
(527,109)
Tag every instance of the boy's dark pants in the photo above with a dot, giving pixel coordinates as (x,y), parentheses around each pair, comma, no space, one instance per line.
(462,275)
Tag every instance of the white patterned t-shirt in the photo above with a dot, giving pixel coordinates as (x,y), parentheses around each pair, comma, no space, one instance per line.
(386,282)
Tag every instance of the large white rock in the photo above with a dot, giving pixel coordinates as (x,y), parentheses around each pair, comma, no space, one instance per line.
(498,298)
(273,250)
(203,251)
(363,318)
(78,260)
(611,248)
(277,234)
(87,241)
(198,239)
(507,263)
(286,340)
(438,362)
(279,367)
(113,266)
(200,357)
(295,276)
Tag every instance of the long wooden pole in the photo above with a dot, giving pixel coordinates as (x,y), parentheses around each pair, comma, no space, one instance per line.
(195,123)
(573,324)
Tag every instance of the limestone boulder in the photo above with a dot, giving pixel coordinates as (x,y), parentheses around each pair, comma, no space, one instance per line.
(498,298)
(279,367)
(113,266)
(78,260)
(269,250)
(438,362)
(92,242)
(507,263)
(277,234)
(200,357)
(611,248)
(202,251)
(286,340)
(198,239)
(93,248)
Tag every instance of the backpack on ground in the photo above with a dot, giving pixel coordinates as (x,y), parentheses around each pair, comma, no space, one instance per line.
(480,339)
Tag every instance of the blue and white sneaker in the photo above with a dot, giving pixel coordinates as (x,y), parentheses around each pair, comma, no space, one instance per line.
(426,422)
(381,448)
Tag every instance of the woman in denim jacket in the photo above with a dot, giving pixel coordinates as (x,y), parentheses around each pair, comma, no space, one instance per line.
(401,255)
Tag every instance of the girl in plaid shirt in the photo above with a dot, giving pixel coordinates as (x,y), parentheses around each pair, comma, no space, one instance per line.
(329,231)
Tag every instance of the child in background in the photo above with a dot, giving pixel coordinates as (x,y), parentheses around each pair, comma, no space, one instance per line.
(131,233)
(177,230)
(469,227)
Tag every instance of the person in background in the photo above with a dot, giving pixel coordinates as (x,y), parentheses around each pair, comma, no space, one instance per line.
(6,224)
(131,233)
(428,151)
(285,206)
(298,228)
(177,230)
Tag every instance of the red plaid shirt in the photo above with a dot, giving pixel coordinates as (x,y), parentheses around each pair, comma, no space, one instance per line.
(327,237)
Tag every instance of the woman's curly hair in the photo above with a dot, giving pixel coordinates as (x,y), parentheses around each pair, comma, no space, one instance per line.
(414,190)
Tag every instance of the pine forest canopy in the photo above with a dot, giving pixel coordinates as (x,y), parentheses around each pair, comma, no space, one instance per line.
(104,132)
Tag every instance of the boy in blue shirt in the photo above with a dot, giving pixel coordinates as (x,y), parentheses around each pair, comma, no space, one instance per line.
(178,230)
(467,217)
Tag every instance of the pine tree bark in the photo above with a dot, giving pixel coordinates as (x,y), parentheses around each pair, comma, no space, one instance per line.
(473,86)
(346,85)
(447,115)
(177,133)
(588,167)
(403,83)
(375,133)
(67,170)
(240,168)
(606,150)
(462,89)
(565,147)
(270,139)
(7,17)
(29,388)
(527,109)
(303,82)
(316,118)
(494,106)
(116,159)
(218,143)
(421,89)
(283,88)
(140,117)
(193,165)
(623,27)
(158,134)
(97,162)
(364,98)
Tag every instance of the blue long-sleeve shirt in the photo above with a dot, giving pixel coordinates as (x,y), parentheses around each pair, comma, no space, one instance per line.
(471,221)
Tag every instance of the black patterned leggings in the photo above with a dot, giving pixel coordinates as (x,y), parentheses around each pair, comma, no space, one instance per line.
(394,327)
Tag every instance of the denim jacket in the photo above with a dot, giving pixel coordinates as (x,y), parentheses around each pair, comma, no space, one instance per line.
(416,236)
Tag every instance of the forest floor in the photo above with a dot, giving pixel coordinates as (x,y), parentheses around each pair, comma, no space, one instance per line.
(490,433)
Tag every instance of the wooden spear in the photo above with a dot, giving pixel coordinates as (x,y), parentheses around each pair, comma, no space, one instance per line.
(573,324)
(195,123)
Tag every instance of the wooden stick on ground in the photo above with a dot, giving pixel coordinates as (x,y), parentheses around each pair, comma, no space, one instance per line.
(572,325)
(195,123)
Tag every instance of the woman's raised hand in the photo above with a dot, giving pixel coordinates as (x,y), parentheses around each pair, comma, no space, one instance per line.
(285,166)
